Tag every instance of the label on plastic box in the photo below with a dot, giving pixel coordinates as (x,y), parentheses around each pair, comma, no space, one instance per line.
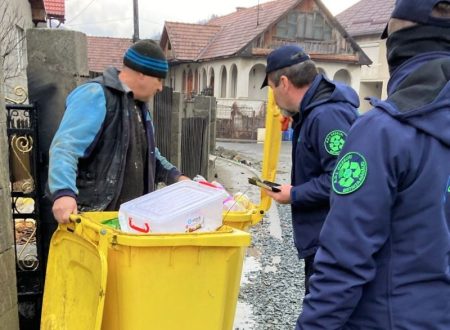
(194,224)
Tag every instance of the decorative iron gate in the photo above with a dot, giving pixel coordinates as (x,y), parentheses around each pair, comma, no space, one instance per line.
(235,122)
(25,191)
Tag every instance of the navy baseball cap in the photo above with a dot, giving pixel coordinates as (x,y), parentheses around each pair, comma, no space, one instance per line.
(283,57)
(418,11)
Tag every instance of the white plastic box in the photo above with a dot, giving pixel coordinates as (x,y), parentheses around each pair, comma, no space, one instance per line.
(185,206)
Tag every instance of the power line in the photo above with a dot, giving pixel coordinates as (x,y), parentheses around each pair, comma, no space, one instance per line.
(82,10)
(101,22)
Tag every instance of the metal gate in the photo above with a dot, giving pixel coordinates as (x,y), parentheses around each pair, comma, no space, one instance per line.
(162,118)
(194,147)
(193,154)
(25,191)
(235,122)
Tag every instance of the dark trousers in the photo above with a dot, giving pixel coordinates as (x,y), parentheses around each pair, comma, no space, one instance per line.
(309,270)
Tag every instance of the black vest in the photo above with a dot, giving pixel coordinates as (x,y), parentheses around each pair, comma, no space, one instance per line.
(101,173)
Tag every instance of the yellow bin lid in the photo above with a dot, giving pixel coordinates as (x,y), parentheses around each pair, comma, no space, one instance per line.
(272,145)
(75,286)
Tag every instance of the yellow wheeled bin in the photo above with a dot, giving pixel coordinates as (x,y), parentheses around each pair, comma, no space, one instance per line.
(243,220)
(101,278)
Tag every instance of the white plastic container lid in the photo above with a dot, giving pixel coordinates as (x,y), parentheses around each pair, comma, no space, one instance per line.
(177,198)
(174,204)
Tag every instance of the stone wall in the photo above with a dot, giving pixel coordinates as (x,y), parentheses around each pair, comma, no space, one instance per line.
(8,292)
(57,63)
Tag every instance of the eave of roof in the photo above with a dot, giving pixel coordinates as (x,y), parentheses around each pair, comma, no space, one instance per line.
(37,11)
(366,17)
(189,48)
(243,26)
(363,59)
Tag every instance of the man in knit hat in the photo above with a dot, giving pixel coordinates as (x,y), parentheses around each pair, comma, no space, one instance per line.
(384,253)
(103,153)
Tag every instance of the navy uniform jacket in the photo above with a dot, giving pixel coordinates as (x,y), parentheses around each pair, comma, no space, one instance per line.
(384,256)
(327,111)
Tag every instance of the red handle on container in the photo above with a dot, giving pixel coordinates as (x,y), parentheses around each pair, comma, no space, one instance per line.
(285,121)
(139,229)
(206,183)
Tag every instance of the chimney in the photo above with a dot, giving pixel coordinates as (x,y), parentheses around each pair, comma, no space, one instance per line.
(240,8)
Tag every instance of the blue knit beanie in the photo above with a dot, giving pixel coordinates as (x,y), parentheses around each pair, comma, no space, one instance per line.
(147,57)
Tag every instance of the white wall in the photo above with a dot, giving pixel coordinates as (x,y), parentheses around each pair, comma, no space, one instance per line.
(369,89)
(250,75)
(353,70)
(16,21)
(378,72)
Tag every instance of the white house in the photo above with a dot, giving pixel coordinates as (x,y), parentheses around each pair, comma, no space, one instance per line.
(365,21)
(226,57)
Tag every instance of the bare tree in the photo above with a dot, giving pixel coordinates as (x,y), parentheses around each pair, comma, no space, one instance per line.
(156,36)
(12,41)
(206,21)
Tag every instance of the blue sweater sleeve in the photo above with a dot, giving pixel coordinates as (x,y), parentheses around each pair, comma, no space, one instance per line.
(327,126)
(356,228)
(81,123)
(166,171)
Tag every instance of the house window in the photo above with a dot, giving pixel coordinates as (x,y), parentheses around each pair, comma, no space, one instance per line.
(223,83)
(260,42)
(298,25)
(233,81)
(183,82)
(190,83)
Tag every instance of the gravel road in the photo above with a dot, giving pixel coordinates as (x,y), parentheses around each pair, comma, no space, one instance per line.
(272,284)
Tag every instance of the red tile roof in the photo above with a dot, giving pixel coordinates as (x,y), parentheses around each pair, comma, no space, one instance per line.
(230,35)
(104,52)
(366,17)
(189,48)
(241,27)
(54,8)
(225,35)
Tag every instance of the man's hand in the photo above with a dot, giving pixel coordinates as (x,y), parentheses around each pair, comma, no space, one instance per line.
(63,207)
(282,197)
(183,177)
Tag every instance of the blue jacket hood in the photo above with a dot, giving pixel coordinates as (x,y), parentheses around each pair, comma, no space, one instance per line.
(419,95)
(323,90)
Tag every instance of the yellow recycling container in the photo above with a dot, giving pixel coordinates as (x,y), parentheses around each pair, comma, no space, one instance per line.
(101,278)
(243,220)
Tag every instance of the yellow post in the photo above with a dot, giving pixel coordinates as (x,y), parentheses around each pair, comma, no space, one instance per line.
(272,143)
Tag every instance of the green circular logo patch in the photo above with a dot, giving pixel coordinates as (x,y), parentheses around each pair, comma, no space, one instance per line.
(334,142)
(349,174)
